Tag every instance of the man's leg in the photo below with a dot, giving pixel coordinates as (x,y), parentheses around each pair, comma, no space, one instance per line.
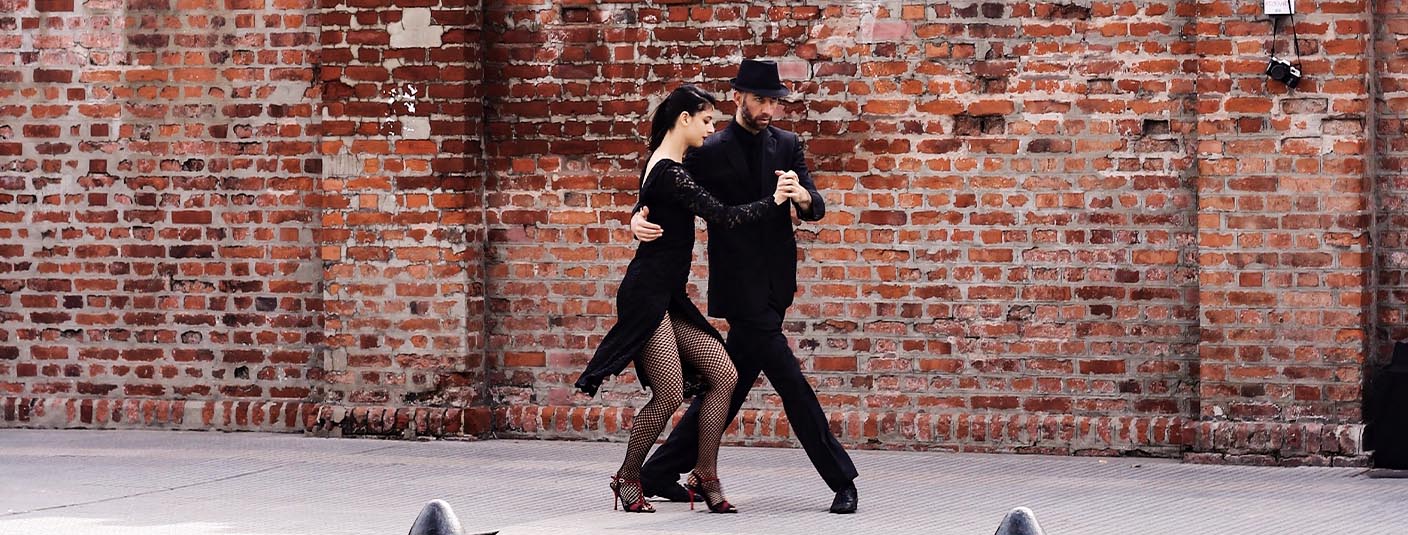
(804,412)
(681,448)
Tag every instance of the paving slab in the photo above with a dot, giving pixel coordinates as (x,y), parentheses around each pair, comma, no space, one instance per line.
(80,482)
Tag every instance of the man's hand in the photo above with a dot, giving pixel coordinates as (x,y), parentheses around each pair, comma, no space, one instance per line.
(788,183)
(643,229)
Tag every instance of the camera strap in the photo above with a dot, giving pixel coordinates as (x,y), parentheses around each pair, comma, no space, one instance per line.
(1295,39)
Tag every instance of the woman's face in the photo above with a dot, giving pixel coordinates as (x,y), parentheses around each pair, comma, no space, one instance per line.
(699,126)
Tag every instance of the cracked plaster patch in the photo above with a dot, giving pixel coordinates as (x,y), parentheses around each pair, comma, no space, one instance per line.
(415,30)
(415,127)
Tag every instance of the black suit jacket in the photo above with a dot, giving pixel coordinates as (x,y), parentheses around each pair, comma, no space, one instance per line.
(752,267)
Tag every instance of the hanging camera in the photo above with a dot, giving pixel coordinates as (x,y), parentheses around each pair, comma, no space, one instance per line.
(1279,69)
(1282,71)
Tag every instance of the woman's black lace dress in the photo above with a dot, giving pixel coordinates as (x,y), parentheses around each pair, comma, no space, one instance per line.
(655,280)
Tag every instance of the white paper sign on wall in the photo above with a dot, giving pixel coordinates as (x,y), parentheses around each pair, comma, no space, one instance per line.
(1280,7)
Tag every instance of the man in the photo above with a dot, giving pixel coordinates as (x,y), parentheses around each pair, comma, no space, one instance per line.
(752,277)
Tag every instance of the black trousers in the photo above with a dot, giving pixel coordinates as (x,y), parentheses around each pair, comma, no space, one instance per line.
(756,345)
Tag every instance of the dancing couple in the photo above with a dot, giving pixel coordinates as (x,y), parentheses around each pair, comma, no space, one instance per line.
(745,181)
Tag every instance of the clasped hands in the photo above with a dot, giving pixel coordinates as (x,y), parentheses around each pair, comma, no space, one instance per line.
(788,188)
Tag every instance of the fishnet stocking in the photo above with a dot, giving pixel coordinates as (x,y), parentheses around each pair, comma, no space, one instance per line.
(672,341)
(708,356)
(661,362)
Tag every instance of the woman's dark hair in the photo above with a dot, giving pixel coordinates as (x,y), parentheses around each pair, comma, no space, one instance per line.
(685,98)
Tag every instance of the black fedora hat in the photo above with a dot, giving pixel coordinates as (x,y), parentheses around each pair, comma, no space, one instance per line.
(760,78)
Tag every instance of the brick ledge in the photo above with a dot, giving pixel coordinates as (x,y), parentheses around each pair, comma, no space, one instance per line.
(321,419)
(1213,442)
(1219,442)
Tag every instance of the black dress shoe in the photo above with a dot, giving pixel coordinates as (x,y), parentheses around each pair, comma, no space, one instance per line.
(845,502)
(672,491)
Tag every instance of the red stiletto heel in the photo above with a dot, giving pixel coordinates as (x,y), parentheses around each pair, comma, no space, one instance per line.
(695,485)
(637,506)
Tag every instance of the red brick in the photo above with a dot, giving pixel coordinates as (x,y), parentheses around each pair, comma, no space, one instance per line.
(1012,241)
(52,6)
(53,75)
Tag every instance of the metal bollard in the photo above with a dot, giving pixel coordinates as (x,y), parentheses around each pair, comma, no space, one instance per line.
(436,518)
(1021,521)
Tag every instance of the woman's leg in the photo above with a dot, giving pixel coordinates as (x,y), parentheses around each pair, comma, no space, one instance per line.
(661,362)
(707,355)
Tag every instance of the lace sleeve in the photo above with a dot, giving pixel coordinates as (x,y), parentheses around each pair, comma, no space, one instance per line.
(699,202)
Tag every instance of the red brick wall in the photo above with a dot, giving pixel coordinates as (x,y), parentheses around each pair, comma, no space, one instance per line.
(1056,228)
(222,215)
(402,226)
(1083,227)
(401,232)
(1390,184)
(1284,228)
(158,217)
(1010,232)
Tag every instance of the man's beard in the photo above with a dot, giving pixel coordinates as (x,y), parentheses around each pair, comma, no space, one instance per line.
(750,121)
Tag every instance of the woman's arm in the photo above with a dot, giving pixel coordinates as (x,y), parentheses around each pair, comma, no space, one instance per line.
(699,202)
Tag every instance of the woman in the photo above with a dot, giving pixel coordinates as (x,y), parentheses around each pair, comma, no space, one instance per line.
(657,326)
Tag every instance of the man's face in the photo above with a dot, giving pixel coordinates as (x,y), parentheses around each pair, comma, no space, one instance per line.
(755,112)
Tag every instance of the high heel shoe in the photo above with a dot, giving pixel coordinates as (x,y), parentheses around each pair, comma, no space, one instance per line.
(695,485)
(637,506)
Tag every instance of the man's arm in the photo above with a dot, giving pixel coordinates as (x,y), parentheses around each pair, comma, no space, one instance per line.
(810,205)
(643,229)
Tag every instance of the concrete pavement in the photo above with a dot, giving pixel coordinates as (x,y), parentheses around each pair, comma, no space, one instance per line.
(157,482)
